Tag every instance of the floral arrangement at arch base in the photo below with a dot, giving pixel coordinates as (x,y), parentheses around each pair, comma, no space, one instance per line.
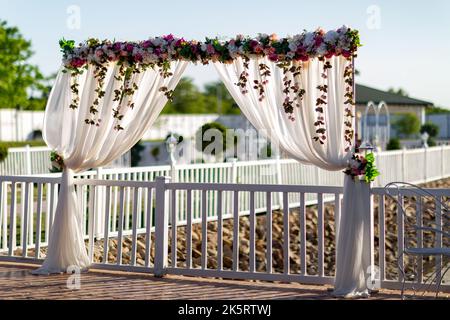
(362,166)
(57,162)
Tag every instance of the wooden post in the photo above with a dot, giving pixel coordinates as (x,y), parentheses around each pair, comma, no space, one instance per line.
(161,227)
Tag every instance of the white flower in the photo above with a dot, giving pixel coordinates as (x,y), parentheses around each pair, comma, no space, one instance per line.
(203,47)
(293,45)
(309,39)
(157,42)
(322,49)
(331,37)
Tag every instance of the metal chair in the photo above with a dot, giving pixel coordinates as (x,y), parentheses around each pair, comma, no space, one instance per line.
(412,226)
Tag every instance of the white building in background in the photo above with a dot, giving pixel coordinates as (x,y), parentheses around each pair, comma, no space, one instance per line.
(18,125)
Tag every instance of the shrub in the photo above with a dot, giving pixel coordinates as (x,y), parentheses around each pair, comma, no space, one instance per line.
(408,124)
(431,128)
(431,142)
(155,152)
(136,153)
(222,144)
(393,144)
(3,153)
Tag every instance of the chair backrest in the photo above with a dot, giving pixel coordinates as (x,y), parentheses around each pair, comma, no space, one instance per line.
(424,205)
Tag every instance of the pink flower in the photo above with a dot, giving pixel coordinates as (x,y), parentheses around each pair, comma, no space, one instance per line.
(210,49)
(138,57)
(99,52)
(77,62)
(346,53)
(258,49)
(180,42)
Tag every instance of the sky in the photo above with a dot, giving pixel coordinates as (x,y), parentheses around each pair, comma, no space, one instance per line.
(406,43)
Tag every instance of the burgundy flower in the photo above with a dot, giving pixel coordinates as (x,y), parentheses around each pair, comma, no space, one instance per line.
(169,37)
(273,57)
(138,57)
(129,47)
(146,44)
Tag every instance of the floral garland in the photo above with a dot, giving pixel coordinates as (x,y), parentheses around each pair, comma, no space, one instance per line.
(158,52)
(57,162)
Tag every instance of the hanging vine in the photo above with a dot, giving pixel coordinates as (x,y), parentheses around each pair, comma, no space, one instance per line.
(349,104)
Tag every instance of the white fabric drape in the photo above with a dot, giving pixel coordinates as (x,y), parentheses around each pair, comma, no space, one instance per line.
(269,117)
(85,146)
(353,243)
(296,138)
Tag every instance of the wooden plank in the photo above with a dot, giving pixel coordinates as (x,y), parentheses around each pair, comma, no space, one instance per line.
(382,237)
(134,223)
(148,233)
(219,232)
(269,232)
(252,220)
(12,221)
(120,234)
(204,232)
(106,226)
(320,234)
(37,247)
(189,230)
(235,231)
(286,240)
(91,226)
(303,269)
(24,222)
(174,229)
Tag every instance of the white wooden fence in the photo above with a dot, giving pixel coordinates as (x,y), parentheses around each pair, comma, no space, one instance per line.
(36,160)
(28,205)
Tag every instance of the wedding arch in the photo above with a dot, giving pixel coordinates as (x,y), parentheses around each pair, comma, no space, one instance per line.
(298,89)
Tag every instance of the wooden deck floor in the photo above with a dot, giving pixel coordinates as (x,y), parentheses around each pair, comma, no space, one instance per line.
(16,282)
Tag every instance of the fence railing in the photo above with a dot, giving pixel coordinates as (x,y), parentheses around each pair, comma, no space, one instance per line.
(294,243)
(36,160)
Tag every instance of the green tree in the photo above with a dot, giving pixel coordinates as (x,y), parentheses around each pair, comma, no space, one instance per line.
(19,79)
(187,99)
(408,125)
(437,110)
(399,91)
(220,100)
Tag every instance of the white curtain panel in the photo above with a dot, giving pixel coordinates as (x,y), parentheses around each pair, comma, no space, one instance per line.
(269,117)
(85,146)
(296,138)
